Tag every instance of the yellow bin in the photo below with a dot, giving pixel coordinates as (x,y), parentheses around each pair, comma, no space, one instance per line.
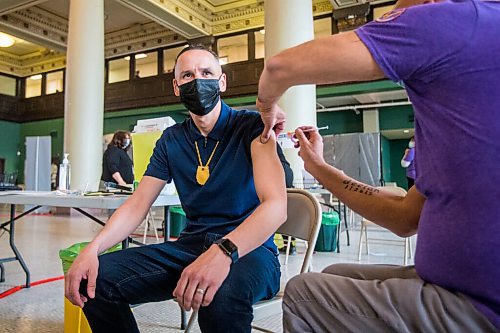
(74,319)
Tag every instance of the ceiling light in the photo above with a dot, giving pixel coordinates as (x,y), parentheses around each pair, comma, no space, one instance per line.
(262,31)
(137,56)
(6,40)
(406,131)
(36,77)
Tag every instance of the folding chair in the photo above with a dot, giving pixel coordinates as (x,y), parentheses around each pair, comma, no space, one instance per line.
(303,222)
(364,230)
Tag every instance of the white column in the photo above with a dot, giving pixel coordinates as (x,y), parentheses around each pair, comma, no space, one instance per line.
(289,23)
(84,93)
(371,121)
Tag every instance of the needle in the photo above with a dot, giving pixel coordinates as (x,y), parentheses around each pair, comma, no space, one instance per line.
(312,129)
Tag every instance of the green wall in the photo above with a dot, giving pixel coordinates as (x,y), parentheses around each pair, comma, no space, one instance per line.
(9,144)
(340,122)
(396,117)
(398,173)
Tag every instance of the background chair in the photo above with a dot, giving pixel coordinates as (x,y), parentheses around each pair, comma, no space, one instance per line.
(303,222)
(149,222)
(364,230)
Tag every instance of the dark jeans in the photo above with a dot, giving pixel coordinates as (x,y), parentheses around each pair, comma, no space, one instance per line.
(150,274)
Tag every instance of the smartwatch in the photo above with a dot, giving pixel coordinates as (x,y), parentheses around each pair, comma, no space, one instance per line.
(228,248)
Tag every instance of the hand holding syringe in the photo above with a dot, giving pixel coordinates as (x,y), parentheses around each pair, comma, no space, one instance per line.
(293,138)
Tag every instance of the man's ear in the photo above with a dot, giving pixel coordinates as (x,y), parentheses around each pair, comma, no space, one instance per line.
(223,82)
(176,88)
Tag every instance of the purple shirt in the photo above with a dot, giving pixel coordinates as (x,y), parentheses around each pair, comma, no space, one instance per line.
(447,55)
(410,170)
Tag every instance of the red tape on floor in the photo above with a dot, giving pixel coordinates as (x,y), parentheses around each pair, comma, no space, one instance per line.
(33,284)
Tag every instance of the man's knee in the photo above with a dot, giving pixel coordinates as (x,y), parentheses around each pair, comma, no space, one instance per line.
(303,287)
(347,270)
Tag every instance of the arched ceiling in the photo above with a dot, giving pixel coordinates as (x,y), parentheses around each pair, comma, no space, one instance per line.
(41,27)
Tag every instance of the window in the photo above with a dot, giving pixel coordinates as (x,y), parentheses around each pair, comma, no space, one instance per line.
(55,82)
(7,85)
(322,27)
(34,85)
(146,64)
(169,56)
(260,44)
(235,48)
(118,70)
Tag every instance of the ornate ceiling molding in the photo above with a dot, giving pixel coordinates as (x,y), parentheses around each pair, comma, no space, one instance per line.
(181,16)
(187,19)
(238,20)
(38,26)
(142,37)
(252,17)
(34,63)
(7,6)
(195,7)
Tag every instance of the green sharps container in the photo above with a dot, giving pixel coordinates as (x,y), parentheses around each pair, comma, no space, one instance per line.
(177,221)
(327,237)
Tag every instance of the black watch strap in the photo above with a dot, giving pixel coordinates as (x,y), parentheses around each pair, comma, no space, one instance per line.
(229,248)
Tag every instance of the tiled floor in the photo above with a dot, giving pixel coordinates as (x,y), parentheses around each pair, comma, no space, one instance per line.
(40,308)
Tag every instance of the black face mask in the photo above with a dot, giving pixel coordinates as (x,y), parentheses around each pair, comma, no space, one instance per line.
(200,96)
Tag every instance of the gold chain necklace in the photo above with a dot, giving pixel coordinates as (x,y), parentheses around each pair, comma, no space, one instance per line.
(203,172)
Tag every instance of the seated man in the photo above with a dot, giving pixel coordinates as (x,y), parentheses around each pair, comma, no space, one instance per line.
(233,191)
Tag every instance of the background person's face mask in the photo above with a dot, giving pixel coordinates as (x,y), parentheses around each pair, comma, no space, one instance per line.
(126,143)
(200,96)
(411,144)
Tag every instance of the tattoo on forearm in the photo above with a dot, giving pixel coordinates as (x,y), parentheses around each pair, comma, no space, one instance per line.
(358,187)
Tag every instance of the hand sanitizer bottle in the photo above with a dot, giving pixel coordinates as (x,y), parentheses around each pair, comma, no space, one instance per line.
(64,174)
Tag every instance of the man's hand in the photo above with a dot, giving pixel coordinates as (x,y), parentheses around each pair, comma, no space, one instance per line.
(311,147)
(200,281)
(84,267)
(273,118)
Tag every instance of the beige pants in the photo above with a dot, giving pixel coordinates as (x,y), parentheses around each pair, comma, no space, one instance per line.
(375,298)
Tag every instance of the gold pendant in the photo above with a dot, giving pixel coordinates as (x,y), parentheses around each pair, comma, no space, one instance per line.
(202,174)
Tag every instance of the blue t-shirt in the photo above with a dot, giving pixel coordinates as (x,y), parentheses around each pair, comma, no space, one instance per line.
(229,195)
(447,55)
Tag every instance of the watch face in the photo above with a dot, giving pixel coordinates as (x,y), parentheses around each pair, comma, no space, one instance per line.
(229,246)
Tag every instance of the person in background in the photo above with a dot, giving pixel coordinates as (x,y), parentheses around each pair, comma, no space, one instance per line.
(117,166)
(408,162)
(442,52)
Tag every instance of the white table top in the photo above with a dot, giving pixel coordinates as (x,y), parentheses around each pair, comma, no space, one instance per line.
(45,198)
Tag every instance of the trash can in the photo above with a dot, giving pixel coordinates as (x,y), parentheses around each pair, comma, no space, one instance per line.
(327,237)
(177,221)
(74,319)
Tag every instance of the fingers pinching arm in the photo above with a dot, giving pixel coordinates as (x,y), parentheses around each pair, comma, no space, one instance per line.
(273,118)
